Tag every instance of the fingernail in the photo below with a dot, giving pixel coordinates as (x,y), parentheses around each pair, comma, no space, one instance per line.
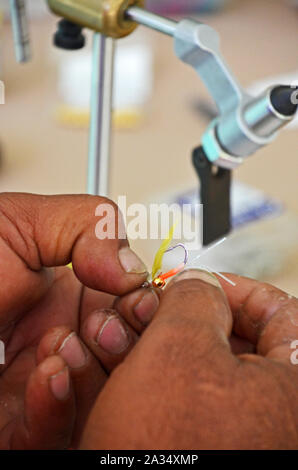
(200,274)
(113,337)
(72,352)
(147,307)
(60,384)
(130,262)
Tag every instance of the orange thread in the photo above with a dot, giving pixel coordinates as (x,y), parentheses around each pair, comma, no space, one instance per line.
(172,272)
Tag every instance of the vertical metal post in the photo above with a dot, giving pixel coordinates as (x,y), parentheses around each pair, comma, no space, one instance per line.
(101,114)
(20,30)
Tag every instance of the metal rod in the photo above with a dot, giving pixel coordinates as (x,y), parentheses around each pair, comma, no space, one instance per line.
(20,30)
(151,20)
(101,112)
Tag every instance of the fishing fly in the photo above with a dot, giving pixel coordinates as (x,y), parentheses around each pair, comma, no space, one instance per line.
(159,279)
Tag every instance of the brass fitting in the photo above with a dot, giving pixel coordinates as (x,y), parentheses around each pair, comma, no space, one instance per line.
(104,16)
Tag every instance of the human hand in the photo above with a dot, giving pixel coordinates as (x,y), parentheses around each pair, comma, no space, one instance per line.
(49,321)
(182,386)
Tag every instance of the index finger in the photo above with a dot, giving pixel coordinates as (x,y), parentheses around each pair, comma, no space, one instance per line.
(46,231)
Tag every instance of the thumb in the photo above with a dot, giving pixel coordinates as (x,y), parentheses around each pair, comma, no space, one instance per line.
(194,311)
(46,231)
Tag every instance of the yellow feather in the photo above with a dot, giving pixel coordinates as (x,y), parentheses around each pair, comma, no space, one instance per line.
(157,265)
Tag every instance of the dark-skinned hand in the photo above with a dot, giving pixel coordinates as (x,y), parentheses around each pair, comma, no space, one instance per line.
(61,337)
(215,369)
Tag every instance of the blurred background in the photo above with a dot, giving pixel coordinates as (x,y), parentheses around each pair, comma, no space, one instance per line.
(161,110)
